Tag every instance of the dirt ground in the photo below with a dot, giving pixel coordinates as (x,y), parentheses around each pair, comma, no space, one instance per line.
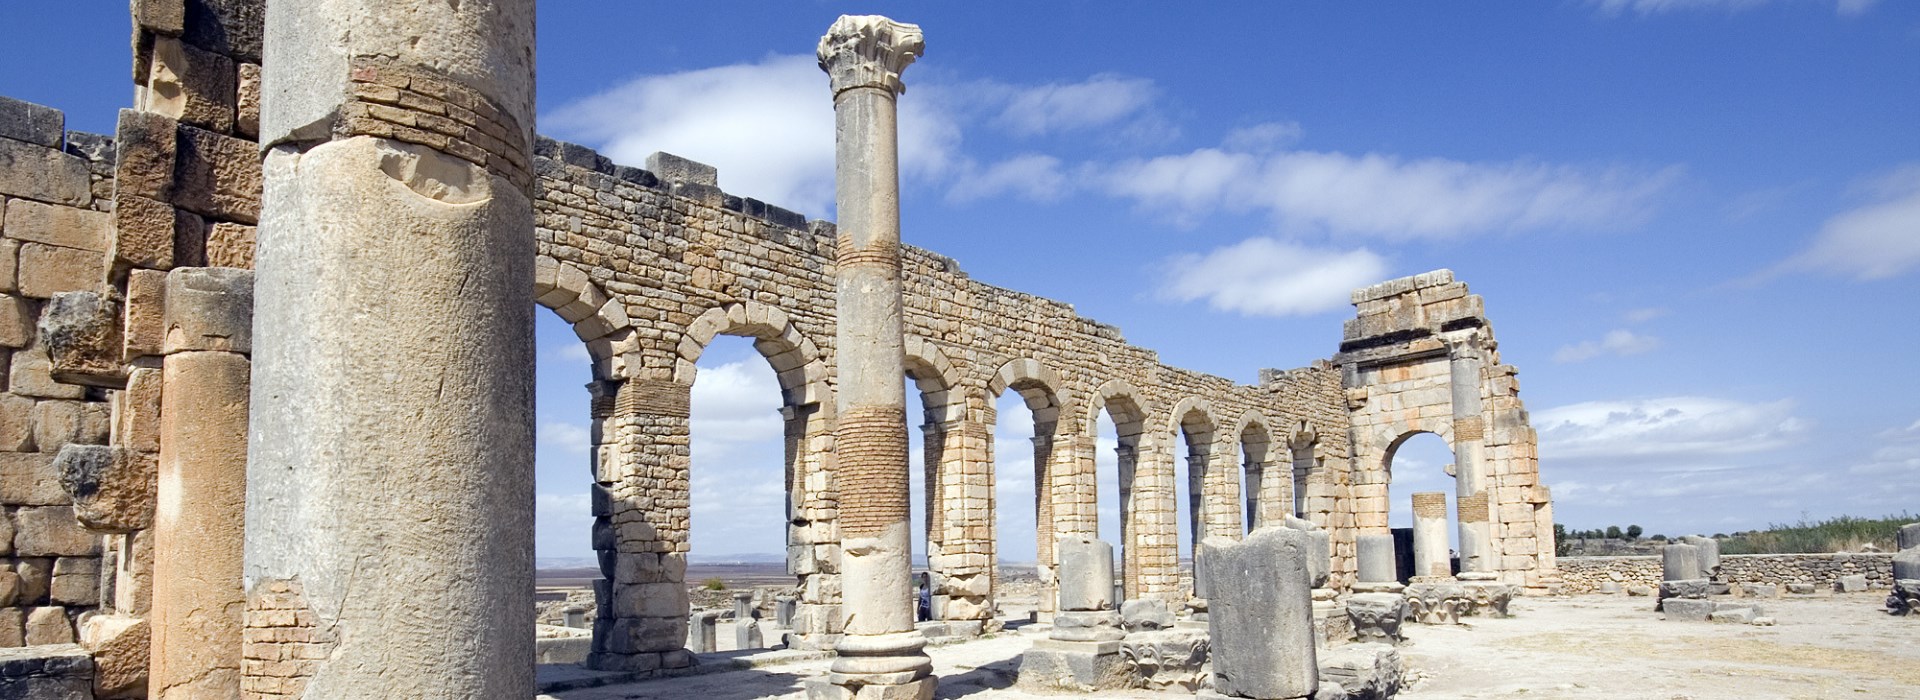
(1824,646)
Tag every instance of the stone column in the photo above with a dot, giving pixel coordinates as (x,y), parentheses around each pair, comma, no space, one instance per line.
(1430,536)
(863,56)
(390,474)
(198,532)
(1469,462)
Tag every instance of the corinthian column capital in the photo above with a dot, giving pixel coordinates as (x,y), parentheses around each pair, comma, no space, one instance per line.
(869,51)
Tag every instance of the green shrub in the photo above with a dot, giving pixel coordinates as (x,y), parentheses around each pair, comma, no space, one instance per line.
(714,584)
(1844,533)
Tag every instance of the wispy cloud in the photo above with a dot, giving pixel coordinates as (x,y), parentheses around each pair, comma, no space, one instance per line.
(1678,426)
(1643,315)
(1386,195)
(1620,342)
(1877,240)
(1848,8)
(567,437)
(1267,277)
(1032,177)
(1099,101)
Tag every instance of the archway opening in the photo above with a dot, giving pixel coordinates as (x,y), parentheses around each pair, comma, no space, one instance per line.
(1421,508)
(1193,489)
(1017,515)
(737,480)
(1262,496)
(564,559)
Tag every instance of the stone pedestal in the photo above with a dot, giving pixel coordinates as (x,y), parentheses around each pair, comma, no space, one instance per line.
(881,653)
(1692,589)
(1680,562)
(1261,614)
(1079,667)
(1377,617)
(1376,560)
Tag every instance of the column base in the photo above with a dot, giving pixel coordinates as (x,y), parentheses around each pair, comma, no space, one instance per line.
(829,689)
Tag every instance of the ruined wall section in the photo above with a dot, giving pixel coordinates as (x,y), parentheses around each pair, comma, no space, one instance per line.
(1421,357)
(688,261)
(56,208)
(1314,451)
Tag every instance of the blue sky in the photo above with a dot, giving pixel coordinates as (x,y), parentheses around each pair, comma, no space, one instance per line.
(1696,222)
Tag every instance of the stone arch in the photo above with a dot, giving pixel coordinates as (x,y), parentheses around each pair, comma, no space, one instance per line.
(1058,482)
(1303,447)
(1432,516)
(1037,383)
(1209,500)
(1146,500)
(936,378)
(1124,402)
(598,319)
(1445,432)
(796,360)
(1266,490)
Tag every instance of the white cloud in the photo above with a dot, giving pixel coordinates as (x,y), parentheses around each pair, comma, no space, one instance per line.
(734,404)
(563,525)
(1033,177)
(1874,241)
(768,127)
(1646,314)
(1385,195)
(567,352)
(567,437)
(1617,342)
(1848,8)
(1687,427)
(1056,107)
(1261,138)
(1266,277)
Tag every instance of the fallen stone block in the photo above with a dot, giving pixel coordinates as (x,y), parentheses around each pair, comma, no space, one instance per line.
(1081,667)
(1856,583)
(1146,614)
(1800,588)
(63,672)
(1687,609)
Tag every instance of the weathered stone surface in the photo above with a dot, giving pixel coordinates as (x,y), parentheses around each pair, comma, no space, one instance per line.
(199,524)
(1737,614)
(1146,615)
(1760,590)
(13,622)
(1261,614)
(209,308)
(31,374)
(48,270)
(236,28)
(112,487)
(52,531)
(48,625)
(36,124)
(1080,667)
(119,644)
(1856,583)
(65,226)
(1376,558)
(160,16)
(672,168)
(1909,536)
(230,245)
(76,582)
(1377,616)
(1087,626)
(46,174)
(1680,562)
(1693,589)
(1906,564)
(1436,603)
(1362,672)
(217,176)
(9,266)
(1487,598)
(191,85)
(36,578)
(1687,609)
(46,673)
(1085,573)
(246,121)
(16,321)
(1320,561)
(144,231)
(29,478)
(147,145)
(9,589)
(81,332)
(1709,553)
(1800,588)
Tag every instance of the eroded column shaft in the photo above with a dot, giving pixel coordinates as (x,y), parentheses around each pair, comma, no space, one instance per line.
(1430,555)
(390,474)
(1469,463)
(863,56)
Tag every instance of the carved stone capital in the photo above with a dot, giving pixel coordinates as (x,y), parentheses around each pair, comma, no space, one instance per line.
(869,51)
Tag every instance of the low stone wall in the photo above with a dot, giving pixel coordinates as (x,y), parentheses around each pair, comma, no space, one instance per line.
(1585,574)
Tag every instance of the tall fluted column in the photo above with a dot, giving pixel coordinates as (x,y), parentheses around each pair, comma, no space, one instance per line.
(881,654)
(389,533)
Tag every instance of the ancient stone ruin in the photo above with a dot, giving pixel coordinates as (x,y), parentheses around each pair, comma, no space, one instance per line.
(254,444)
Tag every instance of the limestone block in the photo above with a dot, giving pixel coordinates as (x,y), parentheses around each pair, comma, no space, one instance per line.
(52,531)
(650,600)
(160,16)
(1261,614)
(230,245)
(48,270)
(133,574)
(1087,626)
(1856,583)
(191,85)
(36,577)
(1691,588)
(1436,603)
(246,120)
(1760,590)
(46,174)
(1687,610)
(81,331)
(29,479)
(9,266)
(48,625)
(119,644)
(1680,562)
(1906,564)
(32,123)
(1376,558)
(1909,537)
(43,673)
(9,589)
(1736,614)
(209,308)
(16,424)
(1800,588)
(1086,573)
(76,582)
(69,227)
(144,231)
(137,420)
(112,487)
(218,176)
(672,168)
(1146,614)
(16,321)
(1079,667)
(1709,553)
(147,146)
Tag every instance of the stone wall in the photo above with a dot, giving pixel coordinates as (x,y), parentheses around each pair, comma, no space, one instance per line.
(1585,574)
(56,192)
